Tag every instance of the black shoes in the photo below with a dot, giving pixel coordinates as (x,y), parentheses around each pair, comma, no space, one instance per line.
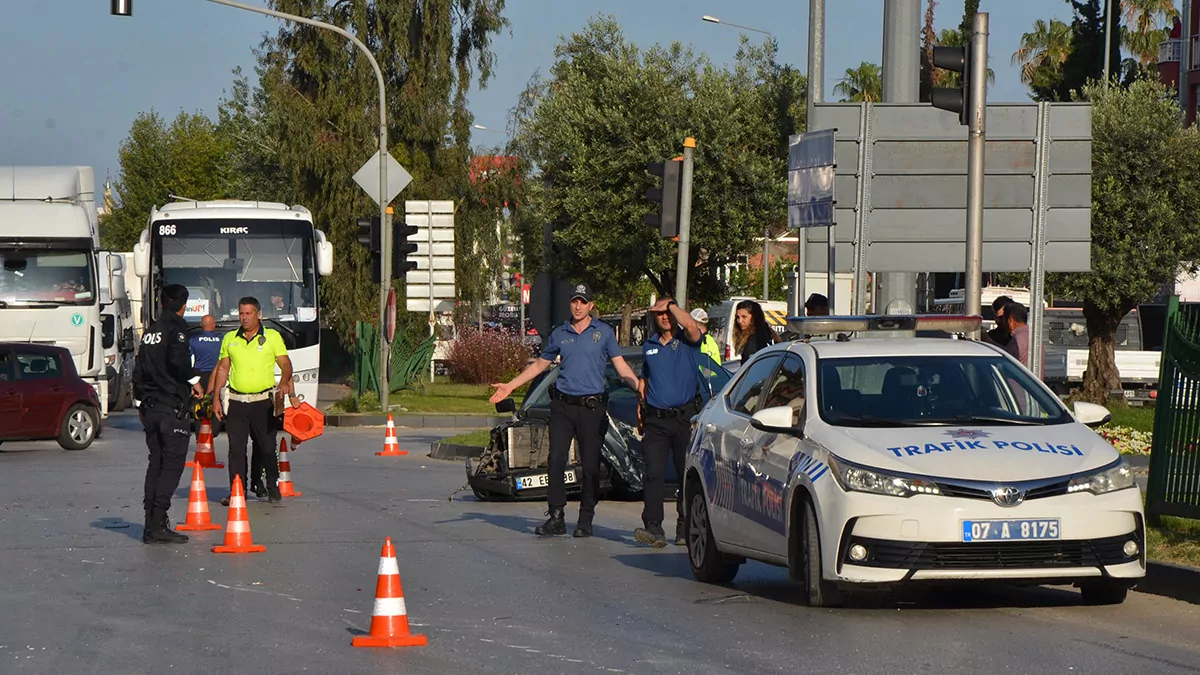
(680,532)
(652,535)
(259,490)
(275,496)
(555,524)
(582,529)
(158,531)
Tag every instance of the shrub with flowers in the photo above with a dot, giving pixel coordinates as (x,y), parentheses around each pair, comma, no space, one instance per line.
(485,357)
(1127,440)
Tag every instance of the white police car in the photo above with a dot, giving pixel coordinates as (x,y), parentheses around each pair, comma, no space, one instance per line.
(862,463)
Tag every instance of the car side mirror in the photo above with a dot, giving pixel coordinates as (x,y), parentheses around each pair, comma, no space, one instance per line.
(776,420)
(1091,414)
(506,406)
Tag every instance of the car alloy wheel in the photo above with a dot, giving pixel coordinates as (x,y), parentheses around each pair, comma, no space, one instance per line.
(80,427)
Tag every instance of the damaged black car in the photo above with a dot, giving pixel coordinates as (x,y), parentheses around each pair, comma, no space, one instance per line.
(515,463)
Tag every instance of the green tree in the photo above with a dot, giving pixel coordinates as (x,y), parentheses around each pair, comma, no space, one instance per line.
(1041,56)
(606,110)
(861,84)
(1147,23)
(1144,207)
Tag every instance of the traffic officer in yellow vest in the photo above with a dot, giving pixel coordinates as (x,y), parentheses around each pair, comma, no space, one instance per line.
(247,362)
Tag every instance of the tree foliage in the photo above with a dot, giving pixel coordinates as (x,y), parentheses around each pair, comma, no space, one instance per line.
(607,108)
(1144,207)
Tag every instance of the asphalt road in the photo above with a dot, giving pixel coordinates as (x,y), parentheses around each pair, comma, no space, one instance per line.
(79,592)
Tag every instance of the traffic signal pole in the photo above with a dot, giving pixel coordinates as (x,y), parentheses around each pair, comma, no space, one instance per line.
(685,223)
(976,148)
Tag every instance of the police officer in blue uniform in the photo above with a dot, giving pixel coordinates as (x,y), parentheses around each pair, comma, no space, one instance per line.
(671,396)
(578,405)
(206,347)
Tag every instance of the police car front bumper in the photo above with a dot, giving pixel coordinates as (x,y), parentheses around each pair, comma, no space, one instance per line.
(885,540)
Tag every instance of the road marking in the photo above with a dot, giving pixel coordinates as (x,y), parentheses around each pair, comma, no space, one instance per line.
(252,590)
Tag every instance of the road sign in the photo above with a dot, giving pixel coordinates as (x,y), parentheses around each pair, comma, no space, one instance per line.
(811,179)
(430,287)
(525,293)
(902,171)
(368,178)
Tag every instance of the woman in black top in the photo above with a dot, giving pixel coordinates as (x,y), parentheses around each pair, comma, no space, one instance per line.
(751,332)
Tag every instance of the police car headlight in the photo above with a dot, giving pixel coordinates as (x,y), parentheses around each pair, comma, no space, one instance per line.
(1115,476)
(855,478)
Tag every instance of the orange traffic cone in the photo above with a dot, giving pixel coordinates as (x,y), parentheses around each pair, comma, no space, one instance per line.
(391,446)
(197,513)
(285,472)
(389,620)
(237,530)
(205,456)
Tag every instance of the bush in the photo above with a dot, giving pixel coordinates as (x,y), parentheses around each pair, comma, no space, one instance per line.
(485,357)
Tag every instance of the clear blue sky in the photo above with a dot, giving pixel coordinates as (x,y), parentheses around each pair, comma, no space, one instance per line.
(75,77)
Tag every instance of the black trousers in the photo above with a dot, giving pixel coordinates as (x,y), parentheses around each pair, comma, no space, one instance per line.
(662,438)
(243,422)
(167,438)
(587,428)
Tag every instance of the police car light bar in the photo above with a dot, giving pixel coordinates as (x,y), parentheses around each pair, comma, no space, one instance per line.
(827,325)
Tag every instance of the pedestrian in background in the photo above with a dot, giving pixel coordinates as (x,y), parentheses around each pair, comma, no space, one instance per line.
(578,406)
(164,384)
(816,305)
(671,396)
(750,330)
(248,359)
(1016,318)
(708,344)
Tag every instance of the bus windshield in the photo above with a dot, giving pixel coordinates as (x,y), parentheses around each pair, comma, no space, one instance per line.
(222,261)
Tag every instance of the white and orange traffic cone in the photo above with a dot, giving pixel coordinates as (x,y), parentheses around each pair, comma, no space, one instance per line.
(205,456)
(389,619)
(237,529)
(391,446)
(197,513)
(285,472)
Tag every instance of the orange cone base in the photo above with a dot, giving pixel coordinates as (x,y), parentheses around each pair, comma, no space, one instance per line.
(253,548)
(380,641)
(289,492)
(207,526)
(391,453)
(204,465)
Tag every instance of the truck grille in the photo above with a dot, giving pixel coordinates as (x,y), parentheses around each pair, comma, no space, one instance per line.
(993,555)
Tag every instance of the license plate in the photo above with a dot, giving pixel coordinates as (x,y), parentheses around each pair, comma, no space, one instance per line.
(1010,530)
(541,480)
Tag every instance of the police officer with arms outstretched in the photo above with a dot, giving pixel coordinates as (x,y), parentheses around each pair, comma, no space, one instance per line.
(162,378)
(670,386)
(578,405)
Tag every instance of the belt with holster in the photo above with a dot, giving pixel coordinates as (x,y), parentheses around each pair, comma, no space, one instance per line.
(242,397)
(591,401)
(686,410)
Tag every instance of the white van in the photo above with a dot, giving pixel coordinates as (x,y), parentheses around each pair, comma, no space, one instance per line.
(721,321)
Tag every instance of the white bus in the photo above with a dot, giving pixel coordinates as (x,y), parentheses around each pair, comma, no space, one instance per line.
(225,250)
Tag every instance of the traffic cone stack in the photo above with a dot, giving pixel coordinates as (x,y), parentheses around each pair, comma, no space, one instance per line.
(205,456)
(389,620)
(391,446)
(197,513)
(285,472)
(237,529)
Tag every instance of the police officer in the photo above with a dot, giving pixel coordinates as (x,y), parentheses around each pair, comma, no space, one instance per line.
(162,374)
(670,385)
(578,405)
(247,362)
(708,344)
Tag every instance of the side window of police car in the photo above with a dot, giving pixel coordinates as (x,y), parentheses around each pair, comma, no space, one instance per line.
(747,393)
(787,388)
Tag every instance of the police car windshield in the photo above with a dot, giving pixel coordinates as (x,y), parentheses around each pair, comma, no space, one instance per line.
(222,261)
(902,391)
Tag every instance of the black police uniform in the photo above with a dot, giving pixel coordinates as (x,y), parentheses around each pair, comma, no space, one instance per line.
(160,381)
(671,372)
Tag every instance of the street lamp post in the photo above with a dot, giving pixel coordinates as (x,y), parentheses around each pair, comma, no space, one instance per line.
(125,8)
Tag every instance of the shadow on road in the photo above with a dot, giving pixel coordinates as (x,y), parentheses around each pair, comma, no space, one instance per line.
(526,525)
(120,526)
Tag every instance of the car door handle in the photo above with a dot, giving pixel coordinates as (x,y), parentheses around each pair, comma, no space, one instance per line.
(747,442)
(710,428)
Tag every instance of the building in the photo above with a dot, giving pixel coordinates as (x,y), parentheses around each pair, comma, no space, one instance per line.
(1181,49)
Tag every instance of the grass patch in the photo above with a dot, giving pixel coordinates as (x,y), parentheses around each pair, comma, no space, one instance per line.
(475,439)
(1136,418)
(1175,540)
(447,397)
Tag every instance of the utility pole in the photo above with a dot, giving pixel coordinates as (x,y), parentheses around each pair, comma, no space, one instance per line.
(975,153)
(685,223)
(766,264)
(1107,39)
(816,94)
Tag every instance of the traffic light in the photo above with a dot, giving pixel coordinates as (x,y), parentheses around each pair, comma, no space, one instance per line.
(402,248)
(369,235)
(954,99)
(667,195)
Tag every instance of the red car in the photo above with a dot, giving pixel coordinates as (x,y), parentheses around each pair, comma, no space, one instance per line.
(43,397)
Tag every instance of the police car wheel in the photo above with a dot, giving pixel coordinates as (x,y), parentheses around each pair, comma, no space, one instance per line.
(805,561)
(79,427)
(709,565)
(1103,593)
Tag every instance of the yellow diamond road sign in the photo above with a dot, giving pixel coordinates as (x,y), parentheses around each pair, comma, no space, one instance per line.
(368,178)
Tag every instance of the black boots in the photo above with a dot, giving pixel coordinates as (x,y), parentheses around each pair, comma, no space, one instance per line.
(158,530)
(652,535)
(555,524)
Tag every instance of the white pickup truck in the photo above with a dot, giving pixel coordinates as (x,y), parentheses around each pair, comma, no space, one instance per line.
(1066,341)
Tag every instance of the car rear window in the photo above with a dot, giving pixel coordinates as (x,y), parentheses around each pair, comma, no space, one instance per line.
(38,366)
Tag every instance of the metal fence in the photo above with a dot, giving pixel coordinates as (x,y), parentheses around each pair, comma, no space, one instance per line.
(1174,484)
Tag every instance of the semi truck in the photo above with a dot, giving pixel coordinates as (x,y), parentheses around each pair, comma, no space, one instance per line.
(53,284)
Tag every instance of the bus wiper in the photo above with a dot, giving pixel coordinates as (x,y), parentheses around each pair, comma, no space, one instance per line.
(279,324)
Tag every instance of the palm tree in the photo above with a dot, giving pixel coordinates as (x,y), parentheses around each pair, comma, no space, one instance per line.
(1043,49)
(1146,25)
(861,84)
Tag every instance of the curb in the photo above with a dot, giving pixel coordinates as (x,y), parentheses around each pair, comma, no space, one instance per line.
(441,450)
(1170,580)
(430,420)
